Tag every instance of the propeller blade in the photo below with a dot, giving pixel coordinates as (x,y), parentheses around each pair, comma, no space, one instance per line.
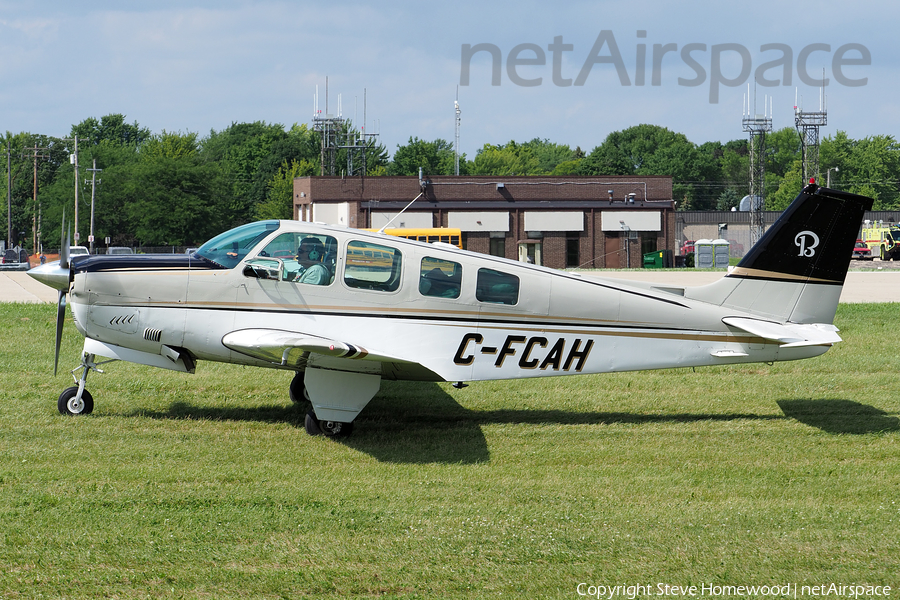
(60,318)
(64,246)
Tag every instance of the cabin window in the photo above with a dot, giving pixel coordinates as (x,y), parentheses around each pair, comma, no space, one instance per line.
(494,286)
(440,278)
(372,267)
(307,258)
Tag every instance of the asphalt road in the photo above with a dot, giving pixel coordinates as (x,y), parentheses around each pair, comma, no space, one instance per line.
(861,285)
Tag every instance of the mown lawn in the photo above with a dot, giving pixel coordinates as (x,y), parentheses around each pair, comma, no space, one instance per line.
(207,486)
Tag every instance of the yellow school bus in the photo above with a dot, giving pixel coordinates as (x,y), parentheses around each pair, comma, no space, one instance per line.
(447,235)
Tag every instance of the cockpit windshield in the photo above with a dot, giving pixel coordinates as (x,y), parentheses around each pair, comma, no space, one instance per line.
(229,248)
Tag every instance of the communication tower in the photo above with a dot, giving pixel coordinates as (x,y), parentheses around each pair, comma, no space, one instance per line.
(808,124)
(757,125)
(338,134)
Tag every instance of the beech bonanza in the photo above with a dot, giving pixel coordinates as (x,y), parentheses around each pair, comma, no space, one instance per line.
(346,308)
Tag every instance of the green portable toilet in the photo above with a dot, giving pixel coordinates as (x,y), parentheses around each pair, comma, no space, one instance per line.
(704,254)
(721,250)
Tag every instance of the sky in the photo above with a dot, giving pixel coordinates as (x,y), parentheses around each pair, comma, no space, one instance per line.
(568,72)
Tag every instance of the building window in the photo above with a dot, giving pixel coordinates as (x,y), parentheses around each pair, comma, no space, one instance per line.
(573,243)
(648,242)
(498,246)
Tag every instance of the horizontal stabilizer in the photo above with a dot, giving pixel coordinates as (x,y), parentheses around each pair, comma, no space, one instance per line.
(791,335)
(287,348)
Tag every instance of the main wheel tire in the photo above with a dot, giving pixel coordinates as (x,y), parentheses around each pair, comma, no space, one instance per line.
(332,429)
(69,407)
(312,424)
(297,390)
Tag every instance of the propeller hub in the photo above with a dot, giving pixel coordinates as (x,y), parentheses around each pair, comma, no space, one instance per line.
(53,275)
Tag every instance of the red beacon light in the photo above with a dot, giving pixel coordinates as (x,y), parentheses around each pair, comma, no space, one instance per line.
(812,180)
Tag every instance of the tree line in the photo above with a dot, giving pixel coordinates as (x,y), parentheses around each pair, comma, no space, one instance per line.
(179,189)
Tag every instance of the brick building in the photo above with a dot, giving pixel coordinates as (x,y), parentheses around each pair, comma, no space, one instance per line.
(560,222)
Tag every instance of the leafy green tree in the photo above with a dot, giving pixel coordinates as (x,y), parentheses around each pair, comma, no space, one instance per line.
(652,150)
(510,159)
(20,181)
(173,200)
(240,150)
(171,145)
(434,158)
(728,199)
(111,128)
(537,157)
(790,185)
(279,202)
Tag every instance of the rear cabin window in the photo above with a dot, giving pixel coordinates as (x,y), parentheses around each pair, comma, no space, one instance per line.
(372,267)
(440,278)
(494,286)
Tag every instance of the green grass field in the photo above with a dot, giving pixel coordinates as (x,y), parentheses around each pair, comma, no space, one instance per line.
(207,486)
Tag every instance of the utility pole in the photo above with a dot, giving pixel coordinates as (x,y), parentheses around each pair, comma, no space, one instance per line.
(74,160)
(8,198)
(94,182)
(35,225)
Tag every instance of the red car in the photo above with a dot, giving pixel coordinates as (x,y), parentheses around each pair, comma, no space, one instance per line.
(861,251)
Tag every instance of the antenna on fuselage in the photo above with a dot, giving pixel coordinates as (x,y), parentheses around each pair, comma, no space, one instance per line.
(400,213)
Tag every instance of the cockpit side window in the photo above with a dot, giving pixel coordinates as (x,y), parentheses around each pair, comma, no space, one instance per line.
(229,248)
(306,257)
(372,266)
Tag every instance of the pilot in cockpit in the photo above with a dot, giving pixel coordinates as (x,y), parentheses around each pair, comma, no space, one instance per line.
(310,255)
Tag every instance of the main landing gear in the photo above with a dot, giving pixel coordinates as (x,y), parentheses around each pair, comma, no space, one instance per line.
(313,425)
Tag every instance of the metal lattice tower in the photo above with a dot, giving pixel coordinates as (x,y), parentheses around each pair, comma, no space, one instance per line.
(328,126)
(808,124)
(332,129)
(757,126)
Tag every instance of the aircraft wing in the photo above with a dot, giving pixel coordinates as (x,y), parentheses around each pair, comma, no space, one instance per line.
(791,335)
(291,348)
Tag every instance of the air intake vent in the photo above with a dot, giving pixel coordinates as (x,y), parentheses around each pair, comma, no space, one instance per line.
(152,335)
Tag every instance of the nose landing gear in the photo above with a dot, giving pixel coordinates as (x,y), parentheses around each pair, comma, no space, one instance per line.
(76,400)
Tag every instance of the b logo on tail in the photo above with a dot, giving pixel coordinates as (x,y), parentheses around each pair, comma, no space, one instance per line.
(803,239)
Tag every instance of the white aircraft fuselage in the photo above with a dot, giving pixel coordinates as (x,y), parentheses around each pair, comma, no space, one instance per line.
(365,306)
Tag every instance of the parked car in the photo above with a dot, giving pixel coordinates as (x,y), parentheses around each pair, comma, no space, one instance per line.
(77,250)
(14,259)
(119,250)
(861,251)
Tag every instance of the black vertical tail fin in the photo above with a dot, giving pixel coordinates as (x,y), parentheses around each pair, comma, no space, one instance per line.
(795,273)
(812,241)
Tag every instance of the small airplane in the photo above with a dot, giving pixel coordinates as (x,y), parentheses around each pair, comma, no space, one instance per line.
(345,308)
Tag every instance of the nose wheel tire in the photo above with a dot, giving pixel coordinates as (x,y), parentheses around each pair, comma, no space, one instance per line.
(69,405)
